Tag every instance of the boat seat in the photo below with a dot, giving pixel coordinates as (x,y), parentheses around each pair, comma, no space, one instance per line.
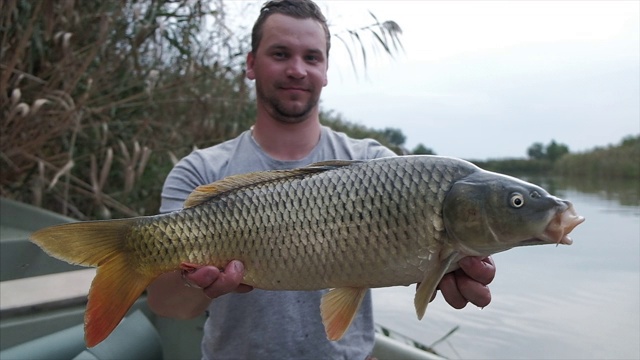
(134,338)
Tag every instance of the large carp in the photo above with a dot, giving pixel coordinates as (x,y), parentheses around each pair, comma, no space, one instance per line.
(346,225)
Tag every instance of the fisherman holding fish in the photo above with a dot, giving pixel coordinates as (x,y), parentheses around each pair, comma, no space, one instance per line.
(288,61)
(309,217)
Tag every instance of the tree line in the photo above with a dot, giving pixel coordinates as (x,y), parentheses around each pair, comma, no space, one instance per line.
(616,161)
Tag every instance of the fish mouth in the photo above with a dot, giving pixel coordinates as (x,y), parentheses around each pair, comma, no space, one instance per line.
(558,229)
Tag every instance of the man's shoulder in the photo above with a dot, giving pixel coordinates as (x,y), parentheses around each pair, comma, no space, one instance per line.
(359,148)
(210,163)
(227,146)
(218,153)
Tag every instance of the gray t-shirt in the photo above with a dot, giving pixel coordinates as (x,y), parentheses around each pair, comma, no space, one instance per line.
(271,324)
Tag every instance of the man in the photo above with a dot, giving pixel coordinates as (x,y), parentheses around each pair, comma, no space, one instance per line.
(288,61)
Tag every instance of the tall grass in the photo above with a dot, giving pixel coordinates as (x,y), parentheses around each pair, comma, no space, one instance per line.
(612,162)
(98,99)
(618,162)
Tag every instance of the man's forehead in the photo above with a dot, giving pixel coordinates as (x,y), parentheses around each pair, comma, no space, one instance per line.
(285,31)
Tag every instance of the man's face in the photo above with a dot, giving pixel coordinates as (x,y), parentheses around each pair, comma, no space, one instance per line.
(289,67)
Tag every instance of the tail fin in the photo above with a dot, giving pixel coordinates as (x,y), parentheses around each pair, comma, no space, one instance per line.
(118,282)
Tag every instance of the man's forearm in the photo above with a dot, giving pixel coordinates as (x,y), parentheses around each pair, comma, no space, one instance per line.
(168,296)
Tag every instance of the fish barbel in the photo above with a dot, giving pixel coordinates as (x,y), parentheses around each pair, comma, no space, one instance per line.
(345,225)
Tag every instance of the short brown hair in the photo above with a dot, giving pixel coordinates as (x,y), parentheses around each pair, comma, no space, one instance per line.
(299,9)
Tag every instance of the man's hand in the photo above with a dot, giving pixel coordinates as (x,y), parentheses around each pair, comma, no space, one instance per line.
(469,283)
(216,282)
(466,285)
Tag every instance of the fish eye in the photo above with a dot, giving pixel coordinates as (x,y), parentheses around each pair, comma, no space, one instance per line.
(517,200)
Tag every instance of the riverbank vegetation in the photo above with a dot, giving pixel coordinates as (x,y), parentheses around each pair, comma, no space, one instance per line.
(614,161)
(99,100)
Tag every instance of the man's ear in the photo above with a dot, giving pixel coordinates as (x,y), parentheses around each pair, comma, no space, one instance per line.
(250,62)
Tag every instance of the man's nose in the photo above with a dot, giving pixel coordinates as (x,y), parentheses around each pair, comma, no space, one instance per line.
(296,68)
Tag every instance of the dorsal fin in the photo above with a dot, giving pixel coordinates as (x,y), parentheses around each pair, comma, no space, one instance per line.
(204,193)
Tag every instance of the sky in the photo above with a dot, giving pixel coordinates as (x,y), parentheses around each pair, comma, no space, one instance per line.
(487,79)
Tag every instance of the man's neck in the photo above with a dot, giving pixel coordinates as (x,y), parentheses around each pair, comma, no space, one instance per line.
(284,141)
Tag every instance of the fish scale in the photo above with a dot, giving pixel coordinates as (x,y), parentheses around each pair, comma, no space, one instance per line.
(348,225)
(255,212)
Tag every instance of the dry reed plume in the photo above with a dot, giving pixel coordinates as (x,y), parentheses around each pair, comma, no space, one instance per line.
(99,99)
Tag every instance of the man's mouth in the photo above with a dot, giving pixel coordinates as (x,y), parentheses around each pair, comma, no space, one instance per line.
(295,89)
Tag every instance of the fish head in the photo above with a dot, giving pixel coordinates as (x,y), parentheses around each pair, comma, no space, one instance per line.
(486,213)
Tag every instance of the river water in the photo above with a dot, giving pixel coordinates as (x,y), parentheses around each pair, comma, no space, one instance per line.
(567,302)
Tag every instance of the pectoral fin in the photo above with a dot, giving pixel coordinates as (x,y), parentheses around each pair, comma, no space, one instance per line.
(429,284)
(338,307)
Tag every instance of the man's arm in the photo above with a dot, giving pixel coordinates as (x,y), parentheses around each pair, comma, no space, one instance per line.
(169,296)
(187,294)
